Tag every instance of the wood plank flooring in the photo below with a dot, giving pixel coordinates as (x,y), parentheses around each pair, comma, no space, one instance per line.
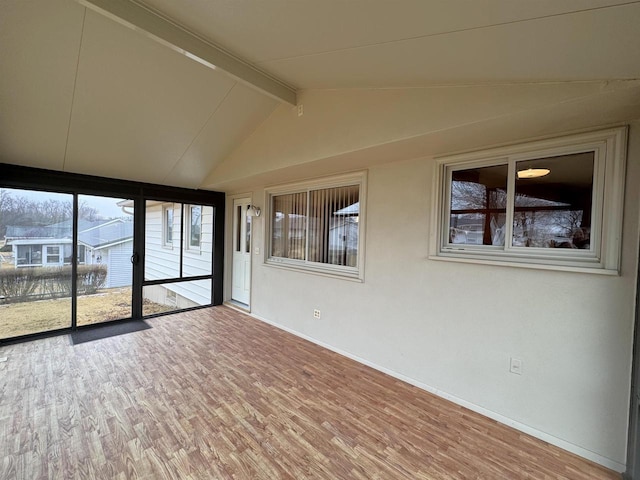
(215,394)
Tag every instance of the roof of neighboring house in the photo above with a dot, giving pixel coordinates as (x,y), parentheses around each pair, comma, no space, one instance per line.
(107,234)
(57,230)
(95,234)
(353,209)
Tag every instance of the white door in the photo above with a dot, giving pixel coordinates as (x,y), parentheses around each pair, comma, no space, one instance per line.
(241,272)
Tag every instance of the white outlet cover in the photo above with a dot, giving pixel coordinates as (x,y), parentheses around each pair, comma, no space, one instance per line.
(515,366)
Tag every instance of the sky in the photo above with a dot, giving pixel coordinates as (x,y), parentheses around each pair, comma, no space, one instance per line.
(106,207)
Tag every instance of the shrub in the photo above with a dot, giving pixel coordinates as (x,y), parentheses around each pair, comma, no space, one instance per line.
(91,278)
(25,284)
(18,284)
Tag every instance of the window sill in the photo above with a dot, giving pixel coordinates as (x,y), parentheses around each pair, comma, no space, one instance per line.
(511,262)
(313,270)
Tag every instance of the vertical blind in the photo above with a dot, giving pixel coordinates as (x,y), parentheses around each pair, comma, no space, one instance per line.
(319,226)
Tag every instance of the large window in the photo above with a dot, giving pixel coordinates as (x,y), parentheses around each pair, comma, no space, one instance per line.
(554,203)
(318,226)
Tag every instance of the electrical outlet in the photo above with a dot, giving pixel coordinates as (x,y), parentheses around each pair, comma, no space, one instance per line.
(515,366)
(300,110)
(316,314)
(257,250)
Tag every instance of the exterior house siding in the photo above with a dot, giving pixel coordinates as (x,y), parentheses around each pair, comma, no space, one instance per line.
(163,261)
(119,267)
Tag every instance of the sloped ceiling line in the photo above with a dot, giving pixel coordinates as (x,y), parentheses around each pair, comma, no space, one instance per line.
(73,94)
(448,32)
(199,132)
(285,161)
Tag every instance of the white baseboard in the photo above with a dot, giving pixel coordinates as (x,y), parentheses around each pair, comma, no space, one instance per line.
(558,442)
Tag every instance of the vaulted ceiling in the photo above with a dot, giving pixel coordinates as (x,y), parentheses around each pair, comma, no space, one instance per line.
(87,89)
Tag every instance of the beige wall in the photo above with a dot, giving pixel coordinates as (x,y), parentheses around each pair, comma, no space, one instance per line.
(451,328)
(350,129)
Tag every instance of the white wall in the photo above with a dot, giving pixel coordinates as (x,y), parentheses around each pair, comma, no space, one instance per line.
(452,327)
(118,260)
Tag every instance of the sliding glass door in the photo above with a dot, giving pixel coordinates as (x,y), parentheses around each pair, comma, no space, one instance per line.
(105,249)
(78,250)
(36,230)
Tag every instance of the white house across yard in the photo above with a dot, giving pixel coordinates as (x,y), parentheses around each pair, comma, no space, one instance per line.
(105,242)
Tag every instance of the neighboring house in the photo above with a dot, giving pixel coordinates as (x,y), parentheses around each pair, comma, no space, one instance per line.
(110,244)
(106,242)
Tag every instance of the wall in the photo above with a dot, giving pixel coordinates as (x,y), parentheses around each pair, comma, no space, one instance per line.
(365,127)
(451,328)
(118,259)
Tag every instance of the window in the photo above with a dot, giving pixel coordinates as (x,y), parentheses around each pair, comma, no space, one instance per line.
(29,255)
(318,226)
(53,255)
(548,204)
(194,227)
(167,225)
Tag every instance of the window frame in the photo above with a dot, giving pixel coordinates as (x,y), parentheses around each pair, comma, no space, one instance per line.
(188,228)
(165,224)
(339,271)
(609,147)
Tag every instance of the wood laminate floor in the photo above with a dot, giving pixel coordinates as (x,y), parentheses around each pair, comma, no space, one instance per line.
(215,394)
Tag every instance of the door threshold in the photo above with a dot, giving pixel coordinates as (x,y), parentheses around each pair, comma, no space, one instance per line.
(238,305)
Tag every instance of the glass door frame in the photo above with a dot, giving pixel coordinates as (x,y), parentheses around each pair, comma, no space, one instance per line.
(28,178)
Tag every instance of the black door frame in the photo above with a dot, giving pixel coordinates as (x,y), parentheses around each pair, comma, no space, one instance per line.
(28,178)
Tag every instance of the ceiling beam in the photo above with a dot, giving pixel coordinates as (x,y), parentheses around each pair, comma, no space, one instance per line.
(162,30)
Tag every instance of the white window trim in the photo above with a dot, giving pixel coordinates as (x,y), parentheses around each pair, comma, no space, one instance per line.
(187,229)
(608,200)
(165,207)
(338,271)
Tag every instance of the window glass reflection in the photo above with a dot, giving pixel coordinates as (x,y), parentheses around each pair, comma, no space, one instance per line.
(553,210)
(478,206)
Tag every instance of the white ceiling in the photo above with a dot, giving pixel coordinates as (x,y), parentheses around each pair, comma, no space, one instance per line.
(80,92)
(396,43)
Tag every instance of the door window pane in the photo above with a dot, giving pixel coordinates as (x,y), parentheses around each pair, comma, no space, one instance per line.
(238,231)
(247,239)
(105,247)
